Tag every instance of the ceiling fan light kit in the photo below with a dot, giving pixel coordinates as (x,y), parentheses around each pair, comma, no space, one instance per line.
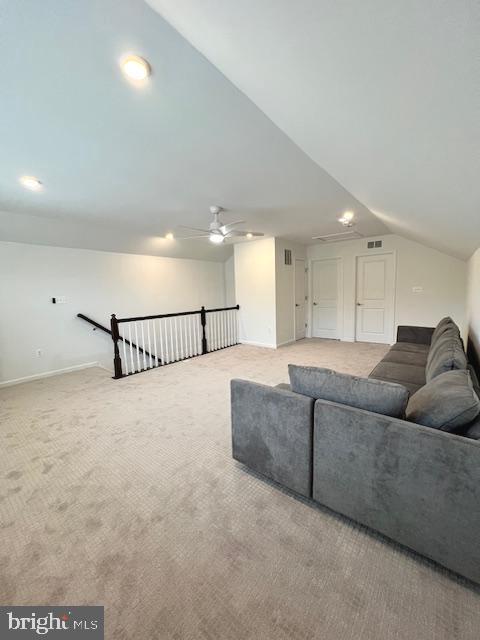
(347,220)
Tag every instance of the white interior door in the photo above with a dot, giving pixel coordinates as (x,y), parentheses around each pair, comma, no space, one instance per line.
(325,298)
(299,299)
(375,298)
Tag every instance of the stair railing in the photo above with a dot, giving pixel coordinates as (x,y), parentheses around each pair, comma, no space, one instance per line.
(145,342)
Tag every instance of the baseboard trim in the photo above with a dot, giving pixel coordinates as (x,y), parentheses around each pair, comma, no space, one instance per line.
(283,344)
(250,343)
(49,374)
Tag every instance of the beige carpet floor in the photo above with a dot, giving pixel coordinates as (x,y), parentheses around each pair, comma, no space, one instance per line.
(123,493)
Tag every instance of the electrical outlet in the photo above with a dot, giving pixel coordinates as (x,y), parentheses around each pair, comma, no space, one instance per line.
(39,353)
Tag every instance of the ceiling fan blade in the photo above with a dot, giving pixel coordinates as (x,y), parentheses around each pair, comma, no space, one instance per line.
(181,226)
(226,227)
(238,234)
(192,237)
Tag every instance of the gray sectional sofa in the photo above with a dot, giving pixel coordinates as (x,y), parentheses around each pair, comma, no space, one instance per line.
(398,452)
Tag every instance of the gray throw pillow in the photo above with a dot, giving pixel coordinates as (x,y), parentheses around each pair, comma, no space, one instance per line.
(387,398)
(448,402)
(446,354)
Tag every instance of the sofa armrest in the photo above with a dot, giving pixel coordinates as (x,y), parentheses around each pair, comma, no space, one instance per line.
(418,335)
(418,486)
(272,431)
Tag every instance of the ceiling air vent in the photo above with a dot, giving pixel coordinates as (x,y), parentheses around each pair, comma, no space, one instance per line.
(374,244)
(338,237)
(288,257)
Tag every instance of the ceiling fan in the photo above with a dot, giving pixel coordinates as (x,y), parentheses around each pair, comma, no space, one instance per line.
(218,231)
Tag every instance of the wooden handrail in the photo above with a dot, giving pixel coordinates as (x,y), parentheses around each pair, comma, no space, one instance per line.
(97,325)
(173,315)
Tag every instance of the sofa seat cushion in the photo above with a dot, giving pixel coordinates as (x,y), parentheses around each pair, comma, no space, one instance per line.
(448,402)
(377,396)
(473,429)
(418,358)
(400,373)
(446,354)
(410,346)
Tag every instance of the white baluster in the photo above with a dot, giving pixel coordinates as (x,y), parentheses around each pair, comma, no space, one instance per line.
(161,340)
(137,343)
(150,364)
(155,360)
(132,366)
(182,336)
(143,347)
(125,353)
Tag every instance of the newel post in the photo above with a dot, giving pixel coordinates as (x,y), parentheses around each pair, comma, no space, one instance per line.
(203,319)
(117,361)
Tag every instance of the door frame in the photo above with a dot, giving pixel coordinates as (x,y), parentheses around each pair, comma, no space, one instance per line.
(381,252)
(340,296)
(305,293)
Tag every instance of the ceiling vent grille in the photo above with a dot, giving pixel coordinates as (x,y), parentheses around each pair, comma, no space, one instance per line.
(338,237)
(288,257)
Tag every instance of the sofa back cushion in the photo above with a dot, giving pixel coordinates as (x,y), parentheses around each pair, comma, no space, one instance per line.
(446,354)
(472,430)
(387,398)
(443,325)
(448,402)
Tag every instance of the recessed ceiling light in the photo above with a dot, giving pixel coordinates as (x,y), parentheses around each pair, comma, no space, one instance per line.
(169,236)
(135,68)
(249,235)
(30,182)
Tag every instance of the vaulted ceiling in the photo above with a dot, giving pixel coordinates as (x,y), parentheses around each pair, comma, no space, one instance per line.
(384,95)
(286,113)
(123,165)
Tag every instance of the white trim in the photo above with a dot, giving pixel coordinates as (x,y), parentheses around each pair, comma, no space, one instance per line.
(250,343)
(283,344)
(48,374)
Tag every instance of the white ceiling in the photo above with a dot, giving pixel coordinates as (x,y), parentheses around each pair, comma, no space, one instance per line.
(121,165)
(383,94)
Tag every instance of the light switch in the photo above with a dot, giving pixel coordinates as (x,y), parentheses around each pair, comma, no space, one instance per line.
(417,289)
(59,300)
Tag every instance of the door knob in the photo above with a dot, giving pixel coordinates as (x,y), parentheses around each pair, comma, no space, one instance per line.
(314,304)
(359,304)
(297,305)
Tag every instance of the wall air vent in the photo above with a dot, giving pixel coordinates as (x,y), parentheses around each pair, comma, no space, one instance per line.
(288,257)
(338,237)
(374,244)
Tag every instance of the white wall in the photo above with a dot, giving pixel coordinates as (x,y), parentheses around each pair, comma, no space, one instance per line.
(285,289)
(255,291)
(474,304)
(265,291)
(95,283)
(442,277)
(229,275)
